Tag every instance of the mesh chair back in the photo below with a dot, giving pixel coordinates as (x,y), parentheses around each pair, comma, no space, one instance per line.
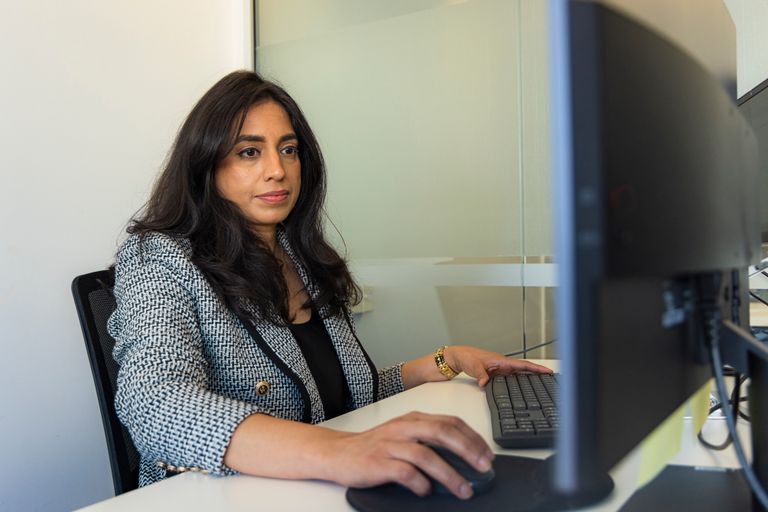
(95,302)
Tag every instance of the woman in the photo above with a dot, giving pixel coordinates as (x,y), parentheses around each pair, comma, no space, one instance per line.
(232,323)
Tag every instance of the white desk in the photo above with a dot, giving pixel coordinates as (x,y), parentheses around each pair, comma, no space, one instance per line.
(460,397)
(758,314)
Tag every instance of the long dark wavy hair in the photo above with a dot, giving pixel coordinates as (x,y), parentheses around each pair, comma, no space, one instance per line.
(186,203)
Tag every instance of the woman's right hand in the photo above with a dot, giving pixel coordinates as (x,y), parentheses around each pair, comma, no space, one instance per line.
(395,452)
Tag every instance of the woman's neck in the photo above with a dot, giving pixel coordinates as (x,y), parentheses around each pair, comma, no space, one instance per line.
(269,237)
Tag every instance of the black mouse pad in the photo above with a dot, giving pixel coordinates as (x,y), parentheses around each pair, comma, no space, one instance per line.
(514,488)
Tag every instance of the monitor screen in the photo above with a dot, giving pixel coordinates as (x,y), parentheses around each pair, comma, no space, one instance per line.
(754,107)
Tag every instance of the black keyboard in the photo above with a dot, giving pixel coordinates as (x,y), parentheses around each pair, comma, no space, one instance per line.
(523,409)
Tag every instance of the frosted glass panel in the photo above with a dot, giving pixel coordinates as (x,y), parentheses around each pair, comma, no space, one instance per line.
(418,106)
(417,115)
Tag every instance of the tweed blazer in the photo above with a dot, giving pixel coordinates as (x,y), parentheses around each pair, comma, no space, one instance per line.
(191,370)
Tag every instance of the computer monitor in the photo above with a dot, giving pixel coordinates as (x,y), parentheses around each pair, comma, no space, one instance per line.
(656,212)
(754,107)
(655,174)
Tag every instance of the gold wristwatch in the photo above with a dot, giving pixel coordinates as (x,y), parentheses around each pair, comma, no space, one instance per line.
(444,367)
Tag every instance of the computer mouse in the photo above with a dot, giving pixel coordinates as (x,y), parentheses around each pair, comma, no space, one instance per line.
(479,480)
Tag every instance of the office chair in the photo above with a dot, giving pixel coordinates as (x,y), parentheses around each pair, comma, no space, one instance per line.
(94,302)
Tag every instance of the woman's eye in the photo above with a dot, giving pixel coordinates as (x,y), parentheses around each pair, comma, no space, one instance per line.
(249,152)
(290,150)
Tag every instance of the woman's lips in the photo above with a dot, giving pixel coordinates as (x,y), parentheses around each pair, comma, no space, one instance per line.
(277,196)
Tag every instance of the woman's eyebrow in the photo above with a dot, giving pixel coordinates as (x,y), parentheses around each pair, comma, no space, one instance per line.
(261,138)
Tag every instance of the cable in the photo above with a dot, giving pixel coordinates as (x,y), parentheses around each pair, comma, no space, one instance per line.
(728,440)
(526,350)
(735,297)
(742,414)
(717,370)
(734,402)
(736,397)
(758,298)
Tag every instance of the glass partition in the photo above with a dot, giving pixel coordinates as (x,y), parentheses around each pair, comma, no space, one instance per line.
(434,122)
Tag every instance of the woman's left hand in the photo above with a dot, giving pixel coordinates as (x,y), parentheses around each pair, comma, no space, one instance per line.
(482,364)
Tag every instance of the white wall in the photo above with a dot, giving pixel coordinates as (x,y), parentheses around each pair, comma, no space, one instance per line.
(750,17)
(91,96)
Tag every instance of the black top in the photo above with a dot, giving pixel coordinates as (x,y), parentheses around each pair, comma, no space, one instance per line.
(323,362)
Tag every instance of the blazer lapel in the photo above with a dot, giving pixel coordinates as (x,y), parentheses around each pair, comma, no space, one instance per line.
(281,347)
(285,347)
(362,384)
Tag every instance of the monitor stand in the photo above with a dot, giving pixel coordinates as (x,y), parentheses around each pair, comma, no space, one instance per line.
(521,484)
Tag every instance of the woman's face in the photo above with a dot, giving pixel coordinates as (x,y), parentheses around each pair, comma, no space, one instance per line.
(262,173)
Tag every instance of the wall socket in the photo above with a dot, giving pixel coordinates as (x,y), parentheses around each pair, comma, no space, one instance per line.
(366,304)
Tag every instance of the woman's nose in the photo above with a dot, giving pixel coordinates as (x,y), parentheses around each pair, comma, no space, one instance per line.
(274,167)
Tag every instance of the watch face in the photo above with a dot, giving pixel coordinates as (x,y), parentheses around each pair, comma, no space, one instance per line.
(444,367)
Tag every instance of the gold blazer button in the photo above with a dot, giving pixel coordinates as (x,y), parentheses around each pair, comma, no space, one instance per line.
(262,388)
